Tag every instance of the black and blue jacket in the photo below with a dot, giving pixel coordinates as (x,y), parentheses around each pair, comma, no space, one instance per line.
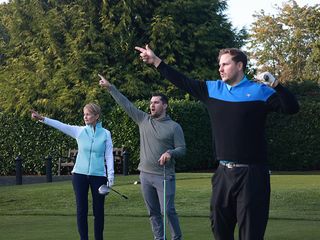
(237,115)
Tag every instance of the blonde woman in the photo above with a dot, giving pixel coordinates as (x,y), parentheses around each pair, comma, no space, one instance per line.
(94,165)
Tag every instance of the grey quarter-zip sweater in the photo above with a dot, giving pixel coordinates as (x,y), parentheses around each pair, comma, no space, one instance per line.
(157,136)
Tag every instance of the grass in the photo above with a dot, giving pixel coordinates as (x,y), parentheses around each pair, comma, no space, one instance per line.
(47,210)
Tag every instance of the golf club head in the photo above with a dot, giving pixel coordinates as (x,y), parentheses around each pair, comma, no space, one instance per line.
(104,189)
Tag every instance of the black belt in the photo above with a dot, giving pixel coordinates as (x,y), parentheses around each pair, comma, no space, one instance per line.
(233,165)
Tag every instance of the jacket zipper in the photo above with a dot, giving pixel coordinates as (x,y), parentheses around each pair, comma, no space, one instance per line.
(92,141)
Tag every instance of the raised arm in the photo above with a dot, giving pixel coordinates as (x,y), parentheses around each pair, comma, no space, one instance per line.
(283,101)
(136,114)
(196,88)
(72,131)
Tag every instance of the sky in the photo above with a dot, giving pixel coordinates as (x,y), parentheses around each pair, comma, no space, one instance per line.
(240,11)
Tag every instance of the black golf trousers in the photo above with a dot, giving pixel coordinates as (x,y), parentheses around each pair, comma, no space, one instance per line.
(240,195)
(81,185)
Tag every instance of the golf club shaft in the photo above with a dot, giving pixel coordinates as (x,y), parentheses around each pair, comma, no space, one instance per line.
(124,196)
(164,201)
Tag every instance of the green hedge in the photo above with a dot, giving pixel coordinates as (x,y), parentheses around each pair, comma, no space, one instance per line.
(293,140)
(34,141)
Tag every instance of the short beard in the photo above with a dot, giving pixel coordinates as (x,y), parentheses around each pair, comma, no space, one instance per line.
(155,115)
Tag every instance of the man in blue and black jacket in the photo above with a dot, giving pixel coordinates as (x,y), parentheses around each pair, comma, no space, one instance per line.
(238,109)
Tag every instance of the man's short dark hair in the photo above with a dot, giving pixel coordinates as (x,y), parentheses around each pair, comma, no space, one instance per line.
(237,56)
(164,99)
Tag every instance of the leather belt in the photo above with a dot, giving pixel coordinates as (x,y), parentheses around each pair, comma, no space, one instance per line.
(233,165)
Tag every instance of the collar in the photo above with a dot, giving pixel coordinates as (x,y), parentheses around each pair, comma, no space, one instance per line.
(244,79)
(98,125)
(164,118)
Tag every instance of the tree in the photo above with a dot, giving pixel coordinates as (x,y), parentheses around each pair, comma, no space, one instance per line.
(287,43)
(52,50)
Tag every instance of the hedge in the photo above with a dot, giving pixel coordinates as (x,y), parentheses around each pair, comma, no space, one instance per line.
(32,141)
(293,140)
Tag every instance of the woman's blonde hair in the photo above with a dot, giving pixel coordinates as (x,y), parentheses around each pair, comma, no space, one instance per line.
(93,108)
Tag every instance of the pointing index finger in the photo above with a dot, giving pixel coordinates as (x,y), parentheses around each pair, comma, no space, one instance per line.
(139,49)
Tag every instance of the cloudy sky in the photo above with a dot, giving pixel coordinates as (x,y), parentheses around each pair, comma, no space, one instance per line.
(240,11)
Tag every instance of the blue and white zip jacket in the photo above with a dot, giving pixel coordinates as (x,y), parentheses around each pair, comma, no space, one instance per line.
(94,148)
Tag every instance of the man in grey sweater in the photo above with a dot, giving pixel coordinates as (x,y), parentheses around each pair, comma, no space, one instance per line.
(161,142)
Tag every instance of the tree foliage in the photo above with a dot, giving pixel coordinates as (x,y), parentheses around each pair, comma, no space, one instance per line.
(288,43)
(52,50)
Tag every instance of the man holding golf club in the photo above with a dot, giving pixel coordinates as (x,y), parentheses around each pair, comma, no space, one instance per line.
(238,109)
(161,142)
(94,165)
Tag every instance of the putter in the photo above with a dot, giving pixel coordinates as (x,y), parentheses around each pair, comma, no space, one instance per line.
(105,190)
(164,202)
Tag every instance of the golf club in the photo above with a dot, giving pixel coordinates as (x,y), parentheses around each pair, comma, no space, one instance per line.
(164,201)
(105,189)
(124,196)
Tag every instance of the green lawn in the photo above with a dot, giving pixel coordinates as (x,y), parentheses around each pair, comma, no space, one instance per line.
(47,211)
